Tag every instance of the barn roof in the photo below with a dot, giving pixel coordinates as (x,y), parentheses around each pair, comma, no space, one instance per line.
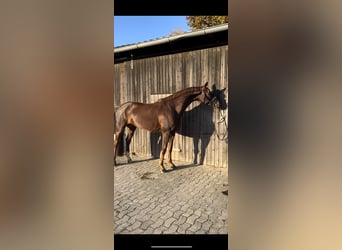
(199,39)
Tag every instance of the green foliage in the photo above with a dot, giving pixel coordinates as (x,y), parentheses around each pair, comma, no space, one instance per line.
(201,22)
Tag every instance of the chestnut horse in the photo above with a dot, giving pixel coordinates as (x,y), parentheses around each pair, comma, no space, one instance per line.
(163,115)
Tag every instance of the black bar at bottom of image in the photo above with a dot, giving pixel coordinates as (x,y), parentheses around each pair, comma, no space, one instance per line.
(168,241)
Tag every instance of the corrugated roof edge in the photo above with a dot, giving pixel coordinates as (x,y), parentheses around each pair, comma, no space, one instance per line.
(168,39)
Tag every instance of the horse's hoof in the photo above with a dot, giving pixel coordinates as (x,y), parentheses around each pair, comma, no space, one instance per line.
(162,170)
(173,166)
(129,160)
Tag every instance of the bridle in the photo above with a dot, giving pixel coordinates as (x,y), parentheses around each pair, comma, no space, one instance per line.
(222,118)
(212,99)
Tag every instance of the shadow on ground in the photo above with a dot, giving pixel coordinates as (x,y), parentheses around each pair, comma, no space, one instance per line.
(180,167)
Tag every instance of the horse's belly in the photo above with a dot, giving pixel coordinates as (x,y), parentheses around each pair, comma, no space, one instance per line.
(148,123)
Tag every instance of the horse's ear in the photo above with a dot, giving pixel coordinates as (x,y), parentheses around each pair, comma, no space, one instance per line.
(205,85)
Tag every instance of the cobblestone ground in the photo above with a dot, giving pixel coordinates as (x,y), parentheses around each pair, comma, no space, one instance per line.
(189,200)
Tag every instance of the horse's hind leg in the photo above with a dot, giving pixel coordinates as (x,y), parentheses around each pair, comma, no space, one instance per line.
(130,133)
(169,151)
(165,136)
(115,145)
(117,137)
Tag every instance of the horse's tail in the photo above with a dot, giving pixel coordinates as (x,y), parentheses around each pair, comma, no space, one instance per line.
(117,118)
(114,115)
(120,121)
(120,118)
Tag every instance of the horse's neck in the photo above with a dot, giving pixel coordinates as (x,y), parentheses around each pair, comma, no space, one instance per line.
(183,102)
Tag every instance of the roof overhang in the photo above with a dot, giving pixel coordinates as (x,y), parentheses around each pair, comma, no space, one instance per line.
(208,37)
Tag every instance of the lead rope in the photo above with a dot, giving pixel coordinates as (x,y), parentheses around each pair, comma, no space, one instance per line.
(222,120)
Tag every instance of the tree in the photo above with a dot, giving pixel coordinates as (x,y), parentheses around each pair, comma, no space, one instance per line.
(201,22)
(176,31)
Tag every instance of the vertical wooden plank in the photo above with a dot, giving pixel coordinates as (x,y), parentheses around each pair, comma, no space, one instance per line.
(116,84)
(130,95)
(170,70)
(187,83)
(216,62)
(205,65)
(157,76)
(209,71)
(217,146)
(134,98)
(121,83)
(154,80)
(166,72)
(137,98)
(214,79)
(222,145)
(225,84)
(179,66)
(140,95)
(174,73)
(204,55)
(147,71)
(183,80)
(193,118)
(164,91)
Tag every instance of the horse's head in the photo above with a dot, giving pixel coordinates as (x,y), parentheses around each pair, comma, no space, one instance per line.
(207,97)
(220,97)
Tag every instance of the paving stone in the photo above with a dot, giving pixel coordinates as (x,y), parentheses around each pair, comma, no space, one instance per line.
(146,224)
(206,226)
(183,227)
(203,218)
(186,200)
(181,220)
(177,214)
(213,230)
(165,209)
(172,230)
(222,230)
(169,221)
(157,224)
(195,227)
(198,212)
(124,219)
(159,230)
(192,219)
(135,225)
(148,230)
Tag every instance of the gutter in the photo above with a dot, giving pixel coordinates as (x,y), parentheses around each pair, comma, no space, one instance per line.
(172,38)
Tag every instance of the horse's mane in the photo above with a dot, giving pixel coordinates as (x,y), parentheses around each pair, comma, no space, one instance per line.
(181,93)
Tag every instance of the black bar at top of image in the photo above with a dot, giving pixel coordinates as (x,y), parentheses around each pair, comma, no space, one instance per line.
(169,241)
(174,8)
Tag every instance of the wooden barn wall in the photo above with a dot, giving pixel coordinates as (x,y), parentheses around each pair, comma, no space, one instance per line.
(147,80)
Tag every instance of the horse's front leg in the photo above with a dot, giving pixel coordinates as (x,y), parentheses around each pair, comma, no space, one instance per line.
(169,152)
(165,140)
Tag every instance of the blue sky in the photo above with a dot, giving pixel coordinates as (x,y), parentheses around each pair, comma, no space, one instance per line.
(134,29)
